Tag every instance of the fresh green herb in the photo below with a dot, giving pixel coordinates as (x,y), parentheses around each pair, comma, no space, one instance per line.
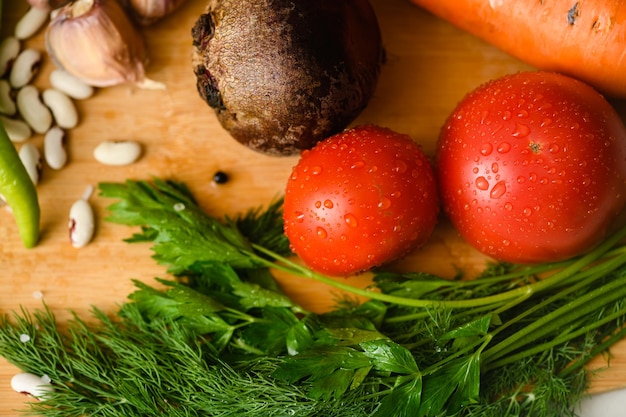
(222,339)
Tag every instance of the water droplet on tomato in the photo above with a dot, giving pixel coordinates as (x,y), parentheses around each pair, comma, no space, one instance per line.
(521,180)
(328,204)
(508,206)
(486,149)
(351,220)
(506,242)
(506,115)
(522,114)
(498,190)
(532,177)
(299,216)
(504,147)
(384,203)
(357,164)
(400,167)
(321,232)
(527,211)
(544,106)
(482,183)
(586,181)
(316,170)
(554,148)
(483,117)
(318,204)
(395,194)
(373,168)
(475,170)
(546,122)
(495,167)
(521,131)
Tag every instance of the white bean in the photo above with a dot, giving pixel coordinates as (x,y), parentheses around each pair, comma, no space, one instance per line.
(17,130)
(31,158)
(54,150)
(32,109)
(117,152)
(70,85)
(24,68)
(31,22)
(62,108)
(9,50)
(7,104)
(81,223)
(31,384)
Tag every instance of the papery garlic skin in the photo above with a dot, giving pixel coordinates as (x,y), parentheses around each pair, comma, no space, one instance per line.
(96,42)
(147,12)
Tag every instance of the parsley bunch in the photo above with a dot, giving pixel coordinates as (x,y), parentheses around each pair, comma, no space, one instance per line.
(222,339)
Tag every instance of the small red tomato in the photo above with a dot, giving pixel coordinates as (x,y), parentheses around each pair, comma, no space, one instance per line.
(532,167)
(360,199)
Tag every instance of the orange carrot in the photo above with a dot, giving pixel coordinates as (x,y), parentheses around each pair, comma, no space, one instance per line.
(585,39)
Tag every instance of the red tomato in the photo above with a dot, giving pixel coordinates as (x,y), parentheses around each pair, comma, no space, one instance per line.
(359,199)
(532,167)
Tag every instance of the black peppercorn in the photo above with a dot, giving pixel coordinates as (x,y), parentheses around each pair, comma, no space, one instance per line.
(220,177)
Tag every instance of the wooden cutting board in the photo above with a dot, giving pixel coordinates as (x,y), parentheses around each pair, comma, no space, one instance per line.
(430,66)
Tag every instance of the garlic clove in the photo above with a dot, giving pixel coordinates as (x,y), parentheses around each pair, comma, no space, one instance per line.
(147,12)
(95,41)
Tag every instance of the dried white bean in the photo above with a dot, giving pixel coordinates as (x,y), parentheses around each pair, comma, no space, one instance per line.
(31,384)
(24,68)
(117,152)
(9,50)
(62,108)
(70,85)
(7,104)
(31,158)
(81,224)
(54,150)
(32,109)
(31,22)
(17,130)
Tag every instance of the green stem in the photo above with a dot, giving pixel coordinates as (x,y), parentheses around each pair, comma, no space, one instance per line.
(595,351)
(562,338)
(293,268)
(525,291)
(557,319)
(583,279)
(483,342)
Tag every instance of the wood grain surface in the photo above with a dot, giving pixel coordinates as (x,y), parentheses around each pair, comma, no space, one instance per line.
(430,66)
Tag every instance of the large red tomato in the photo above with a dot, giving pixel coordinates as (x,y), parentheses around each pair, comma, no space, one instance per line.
(532,167)
(359,199)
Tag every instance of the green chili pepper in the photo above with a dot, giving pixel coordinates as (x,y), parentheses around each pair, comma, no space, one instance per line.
(19,191)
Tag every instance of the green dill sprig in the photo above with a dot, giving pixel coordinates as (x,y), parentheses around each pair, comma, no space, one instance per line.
(513,342)
(130,366)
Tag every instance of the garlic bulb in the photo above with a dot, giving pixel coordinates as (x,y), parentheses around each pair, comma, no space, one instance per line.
(147,12)
(95,41)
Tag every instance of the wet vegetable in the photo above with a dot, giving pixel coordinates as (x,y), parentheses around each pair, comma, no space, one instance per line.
(19,191)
